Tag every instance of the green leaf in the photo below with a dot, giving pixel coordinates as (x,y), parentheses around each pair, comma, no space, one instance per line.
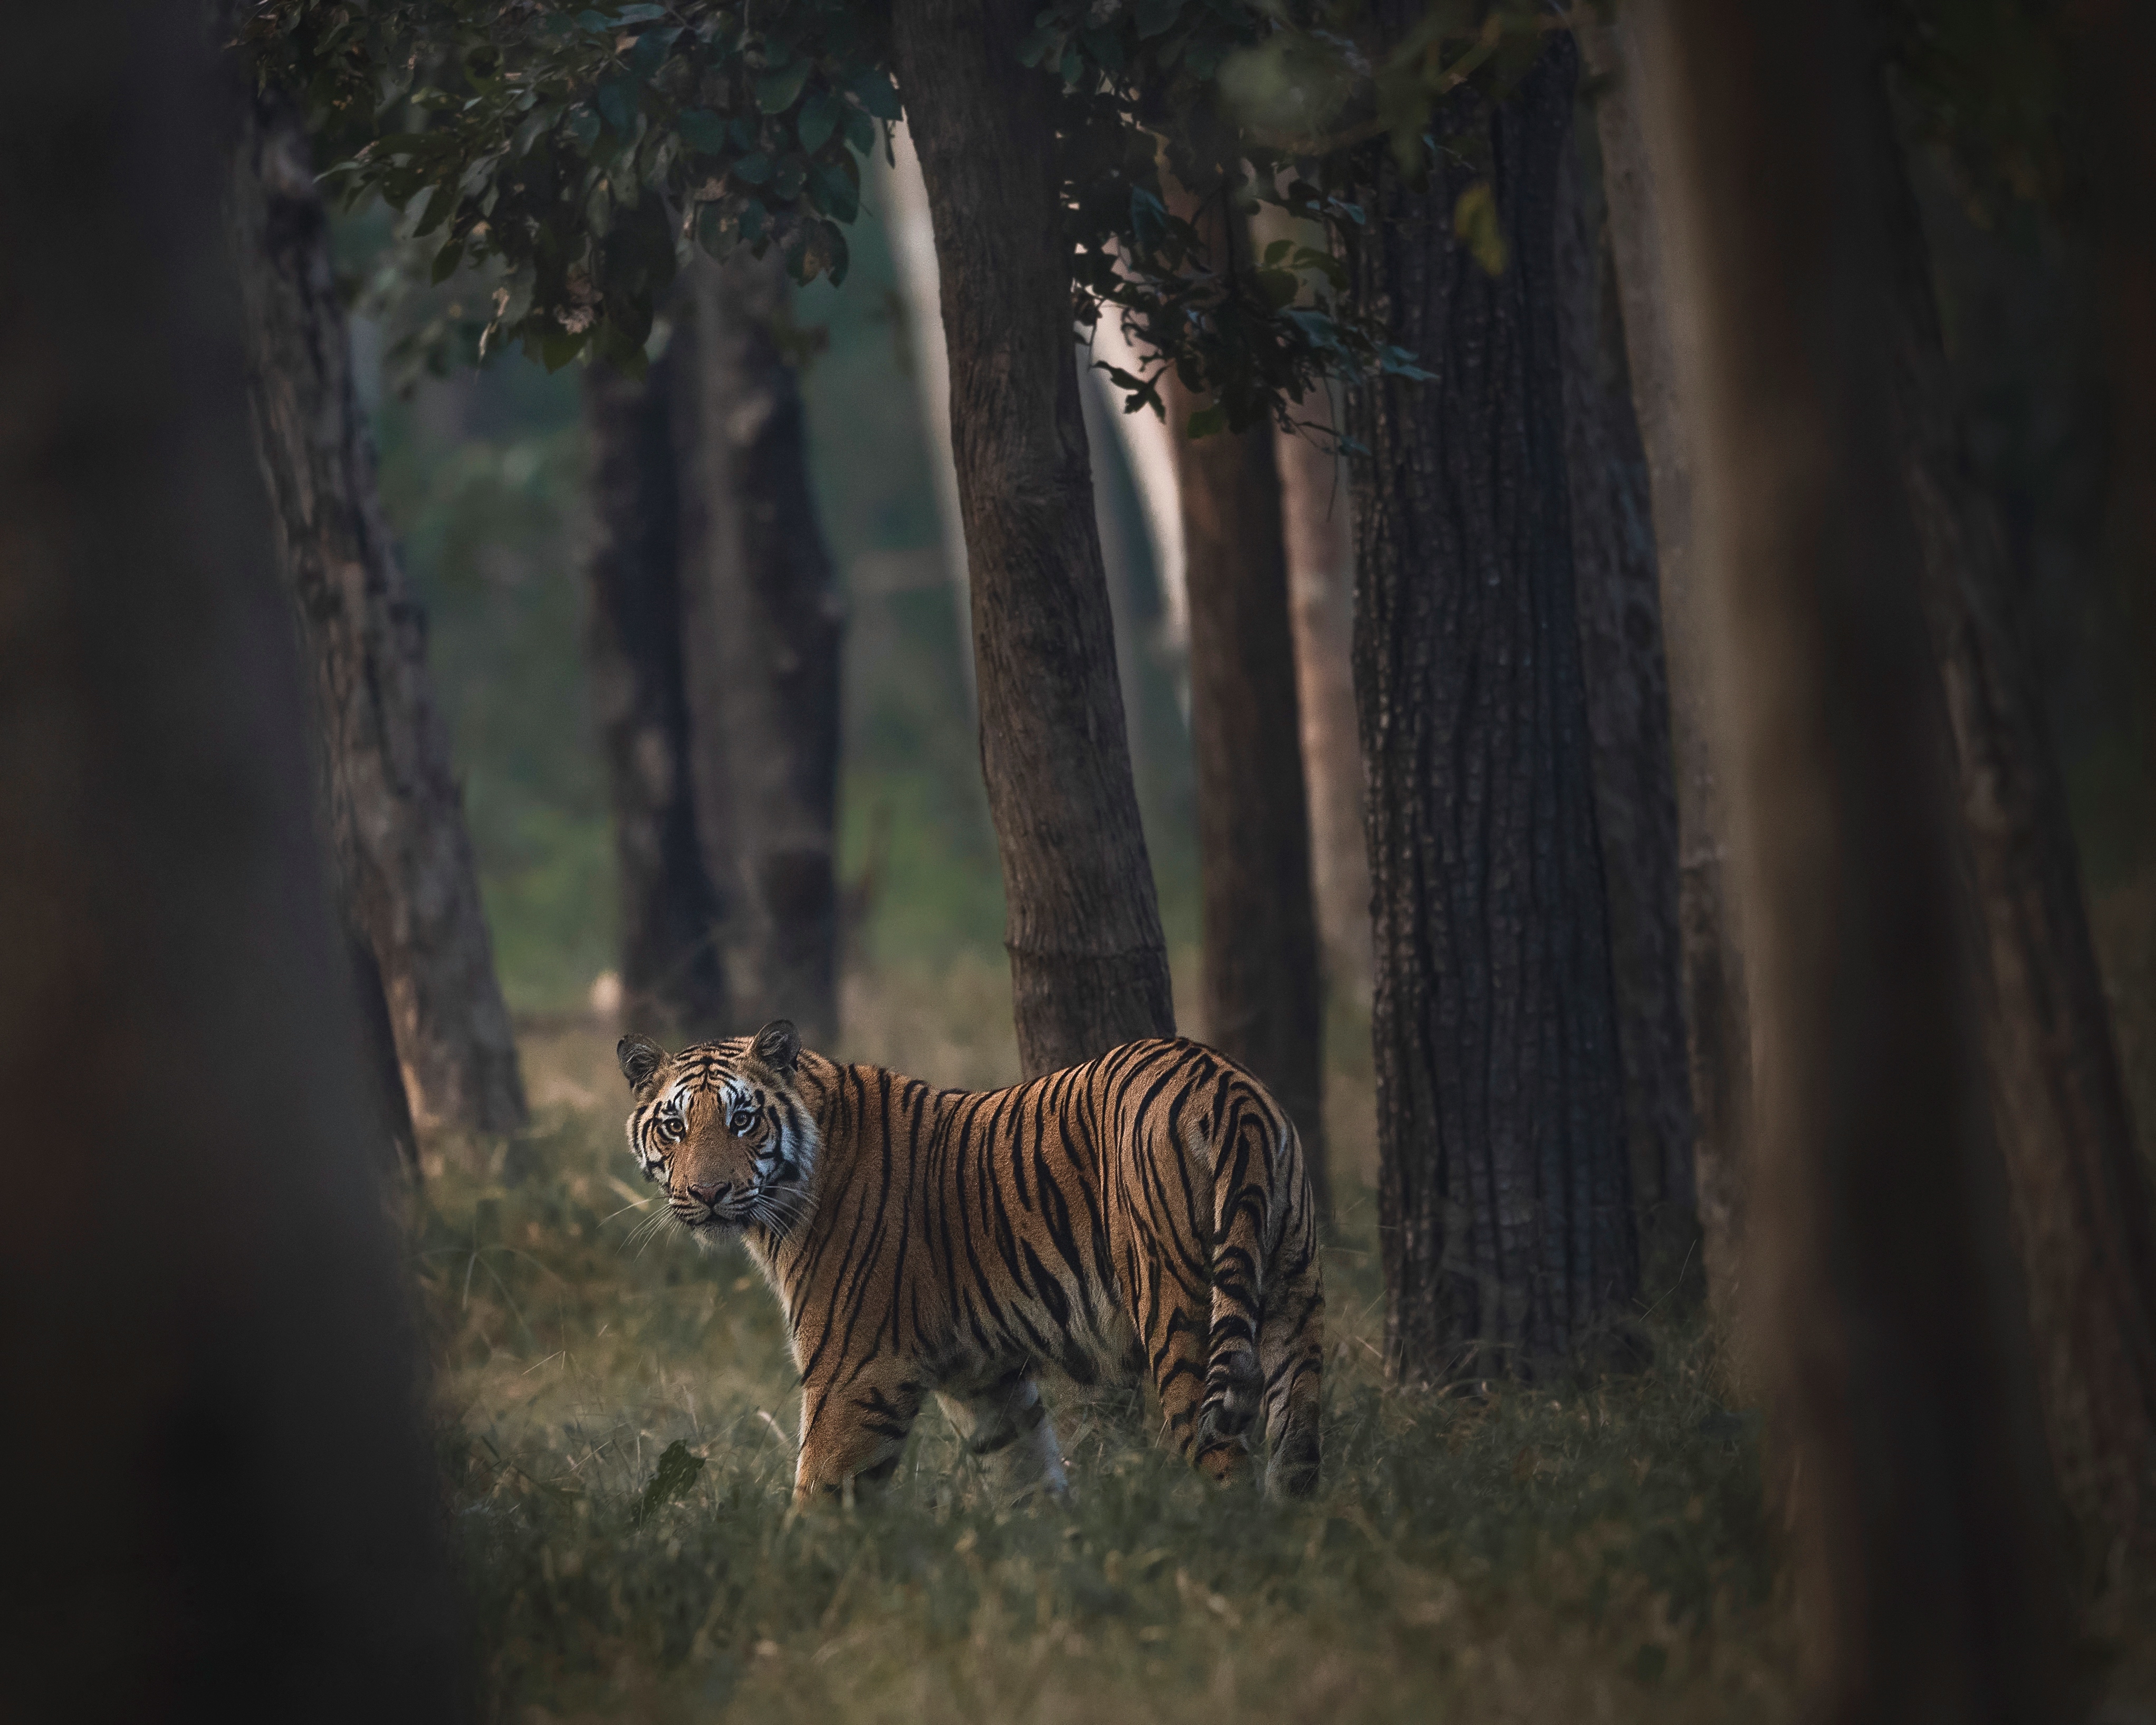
(752,170)
(701,129)
(861,132)
(446,261)
(1277,250)
(617,100)
(671,1479)
(643,13)
(752,221)
(1149,219)
(778,90)
(1205,422)
(584,129)
(819,119)
(1155,16)
(787,177)
(1279,287)
(1475,223)
(876,93)
(835,191)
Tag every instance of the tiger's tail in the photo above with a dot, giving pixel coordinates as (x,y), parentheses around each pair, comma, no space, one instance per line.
(1255,1145)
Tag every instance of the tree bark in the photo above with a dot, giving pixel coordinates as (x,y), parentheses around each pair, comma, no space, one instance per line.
(222,1488)
(2080,1201)
(1318,525)
(764,625)
(1088,967)
(1504,1199)
(1894,1339)
(1628,722)
(1657,322)
(641,440)
(1264,1002)
(404,863)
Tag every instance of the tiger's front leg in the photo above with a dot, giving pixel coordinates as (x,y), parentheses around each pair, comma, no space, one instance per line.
(855,1431)
(1008,1422)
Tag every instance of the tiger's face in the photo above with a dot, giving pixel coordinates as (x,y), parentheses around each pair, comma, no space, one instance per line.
(722,1127)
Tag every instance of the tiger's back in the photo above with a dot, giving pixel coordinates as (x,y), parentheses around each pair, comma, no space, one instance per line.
(1152,1203)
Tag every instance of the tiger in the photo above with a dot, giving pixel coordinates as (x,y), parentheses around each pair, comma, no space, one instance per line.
(1148,1213)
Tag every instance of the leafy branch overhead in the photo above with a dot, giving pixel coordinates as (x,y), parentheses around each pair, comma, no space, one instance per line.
(574,156)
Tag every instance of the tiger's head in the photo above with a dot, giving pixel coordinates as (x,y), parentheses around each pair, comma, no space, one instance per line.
(722,1124)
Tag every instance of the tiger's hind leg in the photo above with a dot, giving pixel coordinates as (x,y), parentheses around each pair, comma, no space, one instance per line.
(1009,1422)
(1291,1353)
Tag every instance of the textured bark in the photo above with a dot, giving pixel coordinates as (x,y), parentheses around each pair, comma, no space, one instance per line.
(222,1487)
(641,439)
(1319,526)
(1893,1337)
(1504,1198)
(2080,1201)
(763,626)
(1089,969)
(1627,720)
(403,860)
(1658,320)
(1265,1004)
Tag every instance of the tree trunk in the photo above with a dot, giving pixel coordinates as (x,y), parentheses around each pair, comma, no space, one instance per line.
(764,625)
(1505,1200)
(641,439)
(1892,1335)
(1089,969)
(1656,322)
(396,815)
(222,1489)
(1319,526)
(2080,1201)
(1628,722)
(1264,1003)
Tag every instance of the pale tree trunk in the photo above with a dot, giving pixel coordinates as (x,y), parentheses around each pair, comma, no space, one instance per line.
(1657,322)
(2080,1201)
(222,1486)
(1318,525)
(1893,1337)
(1264,1003)
(1088,967)
(403,859)
(762,622)
(1628,720)
(641,439)
(1505,1202)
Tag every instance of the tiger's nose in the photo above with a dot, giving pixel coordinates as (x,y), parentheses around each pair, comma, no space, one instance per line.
(711,1195)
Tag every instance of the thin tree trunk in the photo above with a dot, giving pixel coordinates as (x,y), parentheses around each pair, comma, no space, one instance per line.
(221,1489)
(764,625)
(1088,967)
(1319,526)
(1657,321)
(641,439)
(1628,720)
(2080,1201)
(1505,1201)
(1264,1003)
(1893,1336)
(404,857)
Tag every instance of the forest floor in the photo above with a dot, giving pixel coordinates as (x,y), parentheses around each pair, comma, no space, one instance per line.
(1590,1551)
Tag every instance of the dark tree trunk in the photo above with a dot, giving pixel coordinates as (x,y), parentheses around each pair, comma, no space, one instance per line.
(1265,1004)
(641,439)
(1656,321)
(1893,1339)
(1318,526)
(1089,969)
(2080,1201)
(1628,720)
(220,1488)
(763,624)
(1505,1200)
(403,860)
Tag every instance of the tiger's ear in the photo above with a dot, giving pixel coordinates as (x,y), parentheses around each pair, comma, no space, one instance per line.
(640,1057)
(778,1044)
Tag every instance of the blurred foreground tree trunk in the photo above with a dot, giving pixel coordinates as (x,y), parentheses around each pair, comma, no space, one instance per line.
(222,1487)
(1505,1201)
(1318,524)
(403,865)
(1712,990)
(1089,967)
(2080,1199)
(644,527)
(1628,722)
(1892,1334)
(1264,1001)
(761,625)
